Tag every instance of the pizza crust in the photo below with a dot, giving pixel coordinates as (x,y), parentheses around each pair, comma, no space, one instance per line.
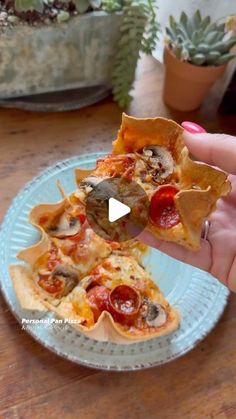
(194,204)
(81,174)
(107,330)
(136,133)
(31,254)
(25,288)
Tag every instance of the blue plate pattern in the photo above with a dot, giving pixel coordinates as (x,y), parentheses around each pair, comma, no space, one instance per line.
(198,296)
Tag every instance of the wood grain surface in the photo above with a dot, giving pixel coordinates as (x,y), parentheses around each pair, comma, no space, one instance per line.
(35,383)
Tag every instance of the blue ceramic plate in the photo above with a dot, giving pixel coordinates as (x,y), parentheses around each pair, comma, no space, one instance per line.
(199,297)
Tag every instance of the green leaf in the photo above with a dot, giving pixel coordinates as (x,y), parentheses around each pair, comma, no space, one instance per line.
(13,19)
(170,34)
(198,59)
(111,6)
(172,22)
(197,19)
(212,57)
(81,5)
(210,28)
(221,27)
(184,20)
(220,36)
(211,37)
(26,5)
(139,29)
(63,16)
(195,37)
(205,23)
(224,46)
(203,48)
(178,51)
(225,58)
(180,30)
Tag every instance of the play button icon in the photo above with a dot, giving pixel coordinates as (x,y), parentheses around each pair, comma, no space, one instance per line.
(117,209)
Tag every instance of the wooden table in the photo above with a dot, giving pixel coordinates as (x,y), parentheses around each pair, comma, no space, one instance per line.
(35,383)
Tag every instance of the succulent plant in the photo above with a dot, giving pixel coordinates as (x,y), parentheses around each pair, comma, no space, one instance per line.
(199,40)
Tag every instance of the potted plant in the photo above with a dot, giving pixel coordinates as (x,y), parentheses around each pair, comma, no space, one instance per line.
(196,55)
(52,45)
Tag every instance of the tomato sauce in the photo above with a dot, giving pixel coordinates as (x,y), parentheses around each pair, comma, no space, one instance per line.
(163,212)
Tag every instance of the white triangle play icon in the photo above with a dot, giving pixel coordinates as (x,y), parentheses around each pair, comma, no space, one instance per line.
(117,210)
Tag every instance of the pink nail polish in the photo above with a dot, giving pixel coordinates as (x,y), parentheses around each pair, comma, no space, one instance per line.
(193,127)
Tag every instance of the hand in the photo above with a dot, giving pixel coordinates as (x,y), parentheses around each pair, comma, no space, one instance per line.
(218,252)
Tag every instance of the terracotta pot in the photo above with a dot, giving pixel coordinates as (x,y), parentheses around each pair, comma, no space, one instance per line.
(186,85)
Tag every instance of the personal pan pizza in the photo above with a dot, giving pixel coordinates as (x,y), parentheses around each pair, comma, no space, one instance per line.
(101,284)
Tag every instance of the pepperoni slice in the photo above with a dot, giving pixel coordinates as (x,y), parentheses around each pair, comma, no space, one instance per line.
(163,212)
(125,302)
(53,286)
(81,218)
(98,297)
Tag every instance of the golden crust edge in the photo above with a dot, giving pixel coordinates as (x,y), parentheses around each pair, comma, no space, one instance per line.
(131,121)
(25,288)
(106,329)
(32,253)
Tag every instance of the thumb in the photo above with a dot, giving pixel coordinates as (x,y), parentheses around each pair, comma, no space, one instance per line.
(215,149)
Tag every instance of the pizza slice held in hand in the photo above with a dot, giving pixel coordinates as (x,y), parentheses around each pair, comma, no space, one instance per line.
(182,193)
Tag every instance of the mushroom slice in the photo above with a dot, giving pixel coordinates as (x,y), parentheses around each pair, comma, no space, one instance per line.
(68,275)
(86,186)
(160,160)
(154,314)
(90,182)
(67,226)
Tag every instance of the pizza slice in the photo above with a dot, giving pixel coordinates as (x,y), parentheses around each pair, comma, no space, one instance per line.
(182,193)
(67,251)
(65,223)
(51,273)
(119,302)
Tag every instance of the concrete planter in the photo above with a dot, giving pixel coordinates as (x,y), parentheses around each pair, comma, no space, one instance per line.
(75,54)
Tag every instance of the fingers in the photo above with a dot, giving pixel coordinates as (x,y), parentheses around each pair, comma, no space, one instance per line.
(215,149)
(200,259)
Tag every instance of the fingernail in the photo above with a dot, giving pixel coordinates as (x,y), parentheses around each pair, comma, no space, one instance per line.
(193,127)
